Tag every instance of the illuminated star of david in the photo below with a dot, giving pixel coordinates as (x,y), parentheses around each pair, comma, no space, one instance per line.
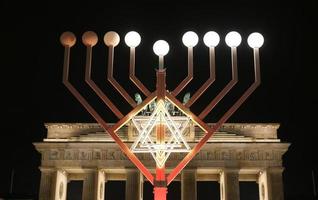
(146,143)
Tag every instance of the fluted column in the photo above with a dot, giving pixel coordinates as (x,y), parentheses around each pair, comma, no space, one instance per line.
(229,184)
(188,184)
(271,184)
(134,185)
(46,189)
(59,185)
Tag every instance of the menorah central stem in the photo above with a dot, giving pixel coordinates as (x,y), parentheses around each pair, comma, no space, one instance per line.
(161,84)
(160,183)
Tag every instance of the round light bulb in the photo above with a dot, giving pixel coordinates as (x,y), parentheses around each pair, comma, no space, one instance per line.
(255,40)
(161,48)
(132,39)
(89,38)
(111,38)
(190,39)
(211,39)
(233,39)
(68,39)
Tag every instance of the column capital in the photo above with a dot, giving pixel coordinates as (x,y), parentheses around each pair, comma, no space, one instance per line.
(47,169)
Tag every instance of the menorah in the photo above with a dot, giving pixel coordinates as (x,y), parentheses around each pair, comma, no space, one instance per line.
(160,132)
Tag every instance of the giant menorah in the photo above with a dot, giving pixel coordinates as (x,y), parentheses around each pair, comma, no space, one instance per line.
(161,132)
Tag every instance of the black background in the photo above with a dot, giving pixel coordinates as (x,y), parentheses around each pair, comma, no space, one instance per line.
(32,58)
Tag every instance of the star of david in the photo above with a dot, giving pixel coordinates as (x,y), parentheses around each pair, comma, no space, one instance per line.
(146,142)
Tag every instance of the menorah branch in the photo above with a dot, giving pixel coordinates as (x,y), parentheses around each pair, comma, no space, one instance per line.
(132,75)
(207,84)
(95,88)
(189,77)
(112,80)
(226,89)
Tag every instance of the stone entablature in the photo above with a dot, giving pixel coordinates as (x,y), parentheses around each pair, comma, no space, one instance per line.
(212,154)
(252,130)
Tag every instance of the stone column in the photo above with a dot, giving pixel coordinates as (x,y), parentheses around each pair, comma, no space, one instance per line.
(188,184)
(101,180)
(46,189)
(134,185)
(59,185)
(90,185)
(270,183)
(229,184)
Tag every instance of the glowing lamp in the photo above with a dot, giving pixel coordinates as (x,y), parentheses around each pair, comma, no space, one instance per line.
(132,39)
(233,39)
(211,39)
(190,39)
(161,48)
(255,40)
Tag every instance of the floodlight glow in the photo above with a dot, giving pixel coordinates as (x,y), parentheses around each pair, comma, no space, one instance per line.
(190,39)
(211,39)
(255,40)
(233,39)
(161,48)
(132,39)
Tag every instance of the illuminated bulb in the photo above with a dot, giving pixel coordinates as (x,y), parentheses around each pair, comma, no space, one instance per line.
(68,39)
(132,39)
(89,38)
(211,39)
(190,39)
(161,48)
(233,39)
(111,38)
(255,40)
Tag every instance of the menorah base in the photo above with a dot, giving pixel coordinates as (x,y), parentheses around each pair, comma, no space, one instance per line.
(160,193)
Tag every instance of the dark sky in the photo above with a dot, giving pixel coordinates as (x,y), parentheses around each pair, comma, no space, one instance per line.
(32,58)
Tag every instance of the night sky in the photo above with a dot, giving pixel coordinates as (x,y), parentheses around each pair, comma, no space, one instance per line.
(32,59)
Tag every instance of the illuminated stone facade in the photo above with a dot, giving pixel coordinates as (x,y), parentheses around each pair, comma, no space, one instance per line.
(238,152)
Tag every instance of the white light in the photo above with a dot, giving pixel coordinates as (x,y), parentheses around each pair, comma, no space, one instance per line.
(190,39)
(161,48)
(233,39)
(211,39)
(132,39)
(255,40)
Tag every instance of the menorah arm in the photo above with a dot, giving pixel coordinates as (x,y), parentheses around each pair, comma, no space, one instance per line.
(96,89)
(189,77)
(221,121)
(100,120)
(112,80)
(132,75)
(207,84)
(226,89)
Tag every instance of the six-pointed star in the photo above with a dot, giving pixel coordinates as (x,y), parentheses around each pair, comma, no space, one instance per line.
(174,142)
